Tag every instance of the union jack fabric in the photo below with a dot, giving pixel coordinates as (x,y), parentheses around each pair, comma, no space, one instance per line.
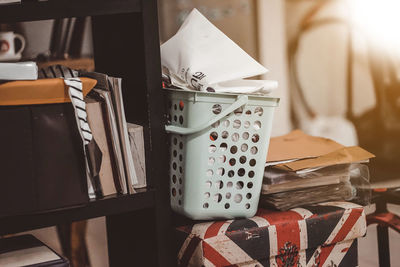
(317,235)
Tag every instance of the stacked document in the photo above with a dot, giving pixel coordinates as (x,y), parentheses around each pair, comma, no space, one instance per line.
(303,169)
(106,117)
(277,180)
(311,195)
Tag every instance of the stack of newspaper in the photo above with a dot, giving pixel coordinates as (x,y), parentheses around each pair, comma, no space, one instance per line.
(303,169)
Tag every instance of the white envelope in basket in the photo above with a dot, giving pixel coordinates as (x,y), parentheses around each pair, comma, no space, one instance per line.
(200,57)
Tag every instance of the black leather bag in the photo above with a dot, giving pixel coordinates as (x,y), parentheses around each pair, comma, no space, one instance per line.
(42,159)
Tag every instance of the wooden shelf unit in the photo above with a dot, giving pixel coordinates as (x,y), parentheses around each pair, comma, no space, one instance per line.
(107,206)
(30,10)
(126,45)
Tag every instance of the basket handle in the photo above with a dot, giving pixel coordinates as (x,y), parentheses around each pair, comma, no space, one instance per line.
(241,101)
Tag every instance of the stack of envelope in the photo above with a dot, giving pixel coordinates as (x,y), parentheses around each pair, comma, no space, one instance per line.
(303,169)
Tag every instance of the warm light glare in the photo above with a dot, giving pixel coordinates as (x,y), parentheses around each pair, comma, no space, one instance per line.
(379,19)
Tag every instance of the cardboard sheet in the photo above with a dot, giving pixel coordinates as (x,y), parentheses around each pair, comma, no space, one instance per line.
(298,145)
(42,91)
(341,156)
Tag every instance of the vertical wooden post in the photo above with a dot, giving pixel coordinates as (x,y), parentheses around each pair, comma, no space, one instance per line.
(127,46)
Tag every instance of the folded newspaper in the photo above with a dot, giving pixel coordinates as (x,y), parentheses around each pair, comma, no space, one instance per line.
(201,57)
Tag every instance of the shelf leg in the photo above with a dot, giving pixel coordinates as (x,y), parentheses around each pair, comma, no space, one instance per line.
(383,246)
(131,239)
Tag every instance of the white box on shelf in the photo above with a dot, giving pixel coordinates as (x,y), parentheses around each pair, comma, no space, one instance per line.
(137,147)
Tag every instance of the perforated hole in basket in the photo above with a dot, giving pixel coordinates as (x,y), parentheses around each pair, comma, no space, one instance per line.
(216,109)
(257,125)
(226,123)
(237,124)
(215,124)
(238,111)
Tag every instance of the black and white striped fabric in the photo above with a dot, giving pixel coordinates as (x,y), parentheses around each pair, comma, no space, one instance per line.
(76,96)
(57,71)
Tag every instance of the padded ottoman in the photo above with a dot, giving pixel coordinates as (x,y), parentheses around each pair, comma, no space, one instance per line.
(324,234)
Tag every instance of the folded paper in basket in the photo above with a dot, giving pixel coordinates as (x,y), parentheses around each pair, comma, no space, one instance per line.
(201,57)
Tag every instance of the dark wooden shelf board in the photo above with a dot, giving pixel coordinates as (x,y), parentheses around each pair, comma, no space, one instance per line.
(30,10)
(103,207)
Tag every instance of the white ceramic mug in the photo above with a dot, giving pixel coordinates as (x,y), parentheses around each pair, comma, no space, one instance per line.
(7,46)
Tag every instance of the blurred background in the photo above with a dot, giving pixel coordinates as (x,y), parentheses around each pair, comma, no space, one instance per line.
(336,61)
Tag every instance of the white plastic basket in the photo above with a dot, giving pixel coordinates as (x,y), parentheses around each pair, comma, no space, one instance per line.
(219,145)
